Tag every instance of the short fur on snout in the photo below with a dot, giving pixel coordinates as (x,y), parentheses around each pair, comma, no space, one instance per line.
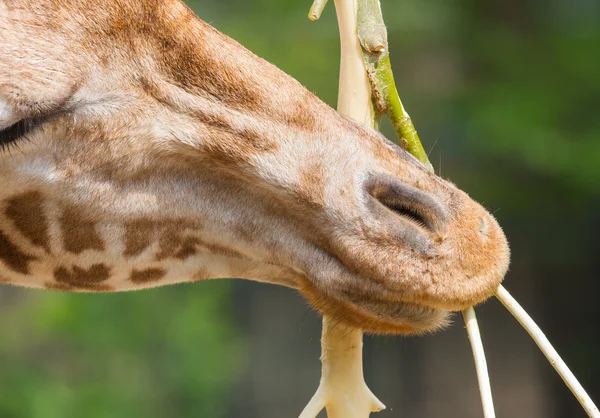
(161,151)
(425,250)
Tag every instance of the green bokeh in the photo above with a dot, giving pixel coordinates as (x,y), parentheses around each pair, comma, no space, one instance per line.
(169,352)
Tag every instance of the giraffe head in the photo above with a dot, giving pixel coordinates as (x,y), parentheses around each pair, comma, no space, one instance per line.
(143,147)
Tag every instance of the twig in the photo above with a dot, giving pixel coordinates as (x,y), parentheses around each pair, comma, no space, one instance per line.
(354,94)
(540,339)
(483,377)
(342,390)
(372,34)
(317,9)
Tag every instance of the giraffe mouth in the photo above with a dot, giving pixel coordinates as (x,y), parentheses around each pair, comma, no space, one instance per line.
(394,317)
(378,316)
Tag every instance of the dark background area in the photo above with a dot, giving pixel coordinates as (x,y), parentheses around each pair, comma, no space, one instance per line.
(506,96)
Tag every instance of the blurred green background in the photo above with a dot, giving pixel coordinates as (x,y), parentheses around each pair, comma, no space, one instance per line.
(506,96)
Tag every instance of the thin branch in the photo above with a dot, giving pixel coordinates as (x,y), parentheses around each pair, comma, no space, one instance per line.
(372,34)
(354,94)
(342,390)
(483,377)
(540,339)
(317,9)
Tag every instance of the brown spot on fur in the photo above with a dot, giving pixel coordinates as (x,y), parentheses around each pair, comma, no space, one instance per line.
(62,287)
(173,242)
(246,231)
(180,44)
(138,236)
(171,237)
(79,278)
(173,245)
(221,138)
(4,280)
(201,274)
(231,148)
(214,120)
(301,114)
(13,257)
(197,66)
(310,187)
(147,276)
(27,214)
(220,250)
(187,249)
(79,234)
(228,144)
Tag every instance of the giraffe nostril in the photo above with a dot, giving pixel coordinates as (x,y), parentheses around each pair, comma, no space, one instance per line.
(404,209)
(407,202)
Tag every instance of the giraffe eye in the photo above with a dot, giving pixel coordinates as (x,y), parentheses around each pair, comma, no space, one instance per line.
(9,136)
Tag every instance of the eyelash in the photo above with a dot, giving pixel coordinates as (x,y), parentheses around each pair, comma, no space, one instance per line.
(10,136)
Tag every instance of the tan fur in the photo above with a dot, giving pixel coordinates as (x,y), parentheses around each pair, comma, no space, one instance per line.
(166,152)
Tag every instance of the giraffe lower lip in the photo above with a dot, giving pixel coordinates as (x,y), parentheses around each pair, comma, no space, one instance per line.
(420,317)
(404,319)
(376,317)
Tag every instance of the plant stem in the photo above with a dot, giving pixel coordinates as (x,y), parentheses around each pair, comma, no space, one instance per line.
(542,342)
(354,93)
(342,390)
(316,9)
(372,34)
(483,377)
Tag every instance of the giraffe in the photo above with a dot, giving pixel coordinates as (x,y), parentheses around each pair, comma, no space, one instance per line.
(141,147)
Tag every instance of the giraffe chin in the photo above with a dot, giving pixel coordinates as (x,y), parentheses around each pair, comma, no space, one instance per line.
(379,317)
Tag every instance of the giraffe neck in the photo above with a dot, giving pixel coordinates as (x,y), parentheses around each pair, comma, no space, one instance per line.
(52,244)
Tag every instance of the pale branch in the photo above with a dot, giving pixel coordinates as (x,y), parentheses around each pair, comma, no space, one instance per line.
(342,390)
(317,9)
(372,34)
(483,377)
(354,93)
(542,342)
